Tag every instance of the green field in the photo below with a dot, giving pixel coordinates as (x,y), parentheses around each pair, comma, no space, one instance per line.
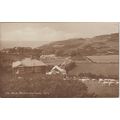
(98,69)
(104,59)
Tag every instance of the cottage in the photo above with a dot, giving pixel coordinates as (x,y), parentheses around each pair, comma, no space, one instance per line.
(28,65)
(57,70)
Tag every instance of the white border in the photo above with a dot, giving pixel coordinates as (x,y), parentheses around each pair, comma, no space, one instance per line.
(60,11)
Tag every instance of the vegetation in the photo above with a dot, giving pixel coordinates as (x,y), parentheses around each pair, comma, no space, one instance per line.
(96,69)
(70,66)
(44,86)
(91,75)
(99,45)
(36,85)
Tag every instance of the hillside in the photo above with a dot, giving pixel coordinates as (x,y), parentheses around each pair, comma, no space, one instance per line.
(98,45)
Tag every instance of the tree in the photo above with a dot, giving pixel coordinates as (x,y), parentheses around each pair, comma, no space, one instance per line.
(70,66)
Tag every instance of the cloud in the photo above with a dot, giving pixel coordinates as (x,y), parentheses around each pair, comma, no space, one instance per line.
(53,31)
(42,34)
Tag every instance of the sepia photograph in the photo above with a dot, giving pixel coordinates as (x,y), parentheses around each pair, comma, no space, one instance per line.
(59,60)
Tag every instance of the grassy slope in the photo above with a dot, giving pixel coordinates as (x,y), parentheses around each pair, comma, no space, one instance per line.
(99,45)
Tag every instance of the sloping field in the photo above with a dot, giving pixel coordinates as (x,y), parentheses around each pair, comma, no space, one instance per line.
(101,90)
(103,69)
(104,58)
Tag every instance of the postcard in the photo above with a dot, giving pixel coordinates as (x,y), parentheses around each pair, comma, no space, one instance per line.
(59,59)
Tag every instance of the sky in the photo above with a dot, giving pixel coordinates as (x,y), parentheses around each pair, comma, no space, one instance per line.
(48,32)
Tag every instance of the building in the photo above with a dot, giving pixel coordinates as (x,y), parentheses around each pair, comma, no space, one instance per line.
(10,55)
(57,70)
(28,65)
(52,60)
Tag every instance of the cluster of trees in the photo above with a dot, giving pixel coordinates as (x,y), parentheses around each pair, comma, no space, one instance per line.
(66,51)
(76,52)
(23,50)
(70,66)
(46,86)
(72,53)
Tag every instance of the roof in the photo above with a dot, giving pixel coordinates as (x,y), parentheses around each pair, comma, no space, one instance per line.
(104,58)
(15,64)
(27,62)
(53,61)
(47,56)
(57,68)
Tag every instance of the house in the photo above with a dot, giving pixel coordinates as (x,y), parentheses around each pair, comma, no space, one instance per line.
(29,65)
(57,70)
(52,60)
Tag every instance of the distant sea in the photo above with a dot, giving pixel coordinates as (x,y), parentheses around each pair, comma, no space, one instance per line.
(11,44)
